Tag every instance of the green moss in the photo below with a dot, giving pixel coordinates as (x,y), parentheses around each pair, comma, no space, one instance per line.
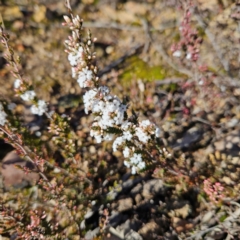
(138,69)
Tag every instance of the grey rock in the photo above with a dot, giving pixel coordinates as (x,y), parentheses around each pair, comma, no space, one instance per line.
(137,189)
(91,234)
(83,224)
(207,216)
(153,187)
(192,136)
(132,235)
(129,225)
(88,214)
(130,183)
(116,218)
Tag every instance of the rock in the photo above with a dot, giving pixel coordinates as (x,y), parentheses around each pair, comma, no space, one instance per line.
(39,13)
(182,212)
(91,234)
(130,183)
(132,235)
(116,218)
(192,136)
(153,187)
(14,177)
(137,189)
(11,13)
(138,199)
(88,214)
(114,234)
(125,204)
(126,227)
(227,180)
(181,225)
(148,229)
(232,123)
(207,216)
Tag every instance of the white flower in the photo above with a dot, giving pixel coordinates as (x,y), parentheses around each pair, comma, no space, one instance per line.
(74,72)
(40,109)
(126,125)
(98,106)
(189,56)
(142,135)
(136,158)
(127,164)
(127,135)
(134,170)
(28,95)
(3,116)
(84,77)
(67,19)
(126,152)
(98,138)
(114,105)
(17,83)
(145,130)
(96,132)
(118,142)
(76,57)
(201,82)
(88,99)
(177,53)
(141,165)
(104,90)
(145,123)
(105,120)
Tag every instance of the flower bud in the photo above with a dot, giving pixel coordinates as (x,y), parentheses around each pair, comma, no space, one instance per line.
(67,19)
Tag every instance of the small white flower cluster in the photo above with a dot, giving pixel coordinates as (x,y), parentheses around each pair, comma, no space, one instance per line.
(177,54)
(85,78)
(136,163)
(28,95)
(110,113)
(17,84)
(143,131)
(3,116)
(40,108)
(76,57)
(108,109)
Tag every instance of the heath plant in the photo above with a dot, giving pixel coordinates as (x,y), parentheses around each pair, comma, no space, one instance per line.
(56,204)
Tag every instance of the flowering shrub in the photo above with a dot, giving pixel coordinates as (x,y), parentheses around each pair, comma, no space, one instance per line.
(111,122)
(111,114)
(75,182)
